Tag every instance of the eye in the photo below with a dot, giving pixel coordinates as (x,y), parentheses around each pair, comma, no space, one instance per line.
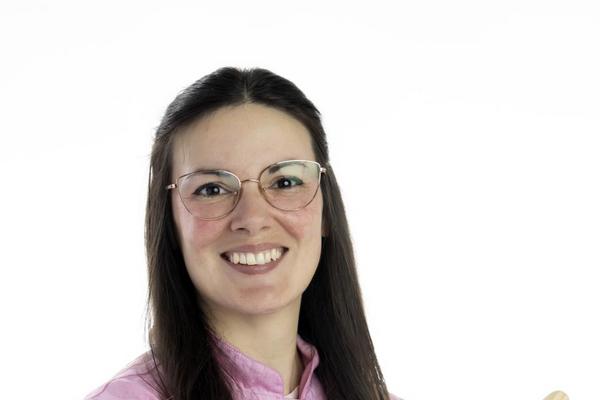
(286,182)
(210,190)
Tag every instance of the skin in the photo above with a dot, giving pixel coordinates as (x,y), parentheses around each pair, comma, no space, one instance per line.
(256,313)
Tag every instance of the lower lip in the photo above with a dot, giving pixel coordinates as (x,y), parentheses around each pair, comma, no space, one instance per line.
(255,269)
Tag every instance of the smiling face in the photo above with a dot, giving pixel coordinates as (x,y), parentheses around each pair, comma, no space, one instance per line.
(244,140)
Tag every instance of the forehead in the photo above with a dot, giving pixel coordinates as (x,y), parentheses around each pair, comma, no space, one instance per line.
(243,139)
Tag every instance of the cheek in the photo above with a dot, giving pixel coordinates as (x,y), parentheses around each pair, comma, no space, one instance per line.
(193,232)
(305,223)
(199,235)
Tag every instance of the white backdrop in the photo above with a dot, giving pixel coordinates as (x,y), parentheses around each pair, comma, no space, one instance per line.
(464,134)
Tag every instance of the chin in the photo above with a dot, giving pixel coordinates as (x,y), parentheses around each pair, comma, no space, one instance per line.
(264,306)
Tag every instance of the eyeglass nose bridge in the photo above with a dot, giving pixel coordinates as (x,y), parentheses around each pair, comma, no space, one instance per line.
(260,189)
(250,180)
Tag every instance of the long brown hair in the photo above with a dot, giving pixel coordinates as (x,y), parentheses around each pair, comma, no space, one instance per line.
(331,315)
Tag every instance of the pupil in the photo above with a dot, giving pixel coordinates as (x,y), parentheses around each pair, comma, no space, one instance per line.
(285,183)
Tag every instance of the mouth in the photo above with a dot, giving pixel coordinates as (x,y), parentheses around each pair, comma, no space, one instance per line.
(265,257)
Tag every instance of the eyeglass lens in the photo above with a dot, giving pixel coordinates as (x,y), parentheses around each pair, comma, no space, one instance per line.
(288,185)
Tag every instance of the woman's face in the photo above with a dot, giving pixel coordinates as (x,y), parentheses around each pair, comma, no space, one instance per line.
(244,140)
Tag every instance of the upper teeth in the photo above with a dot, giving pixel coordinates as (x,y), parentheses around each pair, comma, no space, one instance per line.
(259,258)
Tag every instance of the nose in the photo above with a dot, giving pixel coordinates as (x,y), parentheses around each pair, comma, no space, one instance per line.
(252,213)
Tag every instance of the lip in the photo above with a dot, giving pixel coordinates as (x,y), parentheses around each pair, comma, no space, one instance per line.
(255,248)
(255,269)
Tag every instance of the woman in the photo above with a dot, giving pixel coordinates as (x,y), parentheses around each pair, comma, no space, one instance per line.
(253,290)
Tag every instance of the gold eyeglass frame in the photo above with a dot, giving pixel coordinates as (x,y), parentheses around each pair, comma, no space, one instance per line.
(238,194)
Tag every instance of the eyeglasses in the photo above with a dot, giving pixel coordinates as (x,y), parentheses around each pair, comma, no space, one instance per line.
(288,185)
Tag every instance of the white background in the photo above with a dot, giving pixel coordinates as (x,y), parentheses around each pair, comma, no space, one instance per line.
(465,137)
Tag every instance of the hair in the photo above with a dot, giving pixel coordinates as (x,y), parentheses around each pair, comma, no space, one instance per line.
(331,318)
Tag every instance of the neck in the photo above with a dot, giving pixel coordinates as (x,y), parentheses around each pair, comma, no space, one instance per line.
(267,338)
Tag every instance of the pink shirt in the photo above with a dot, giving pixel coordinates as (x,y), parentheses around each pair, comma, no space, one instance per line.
(255,381)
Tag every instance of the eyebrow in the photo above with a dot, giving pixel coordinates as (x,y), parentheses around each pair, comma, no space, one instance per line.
(218,171)
(275,168)
(214,171)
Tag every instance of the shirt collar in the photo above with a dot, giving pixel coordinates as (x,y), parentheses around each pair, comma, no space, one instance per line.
(251,375)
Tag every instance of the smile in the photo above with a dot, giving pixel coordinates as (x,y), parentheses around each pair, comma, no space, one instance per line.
(258,258)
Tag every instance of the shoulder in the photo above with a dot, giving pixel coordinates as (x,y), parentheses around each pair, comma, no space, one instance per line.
(132,382)
(394,397)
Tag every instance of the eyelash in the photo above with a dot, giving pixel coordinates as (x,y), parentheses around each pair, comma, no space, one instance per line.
(205,186)
(287,178)
(294,182)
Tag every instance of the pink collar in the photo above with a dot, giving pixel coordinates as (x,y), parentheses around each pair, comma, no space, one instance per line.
(254,376)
